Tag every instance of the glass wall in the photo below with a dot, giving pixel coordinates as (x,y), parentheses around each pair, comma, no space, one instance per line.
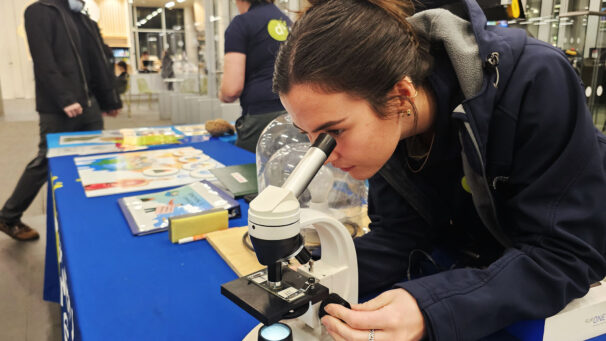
(155,30)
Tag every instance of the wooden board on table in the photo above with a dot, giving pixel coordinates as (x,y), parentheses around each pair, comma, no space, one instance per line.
(228,244)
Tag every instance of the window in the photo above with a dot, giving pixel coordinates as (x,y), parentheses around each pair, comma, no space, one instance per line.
(156,29)
(174,19)
(148,18)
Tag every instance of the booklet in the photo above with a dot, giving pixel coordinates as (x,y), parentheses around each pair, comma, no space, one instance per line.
(149,213)
(240,180)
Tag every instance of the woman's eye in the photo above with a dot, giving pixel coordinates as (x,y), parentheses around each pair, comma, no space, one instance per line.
(335,132)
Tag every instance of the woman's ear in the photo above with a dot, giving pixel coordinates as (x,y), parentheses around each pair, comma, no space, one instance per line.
(405,91)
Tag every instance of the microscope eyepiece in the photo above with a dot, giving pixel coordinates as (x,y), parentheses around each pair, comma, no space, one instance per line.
(311,163)
(325,143)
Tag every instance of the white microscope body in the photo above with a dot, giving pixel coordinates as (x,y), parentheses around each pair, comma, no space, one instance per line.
(275,216)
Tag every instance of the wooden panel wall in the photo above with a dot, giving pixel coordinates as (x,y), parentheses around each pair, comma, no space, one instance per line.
(16,68)
(113,22)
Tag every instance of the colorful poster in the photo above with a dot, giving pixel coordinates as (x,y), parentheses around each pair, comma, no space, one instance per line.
(127,139)
(137,171)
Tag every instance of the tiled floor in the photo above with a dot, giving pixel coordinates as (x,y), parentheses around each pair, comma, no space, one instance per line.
(23,313)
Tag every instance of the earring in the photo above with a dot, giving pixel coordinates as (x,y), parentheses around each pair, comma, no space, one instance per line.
(407,112)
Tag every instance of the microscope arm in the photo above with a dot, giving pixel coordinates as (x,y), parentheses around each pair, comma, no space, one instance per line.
(338,267)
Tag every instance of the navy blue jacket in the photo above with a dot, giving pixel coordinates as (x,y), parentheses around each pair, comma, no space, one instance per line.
(536,169)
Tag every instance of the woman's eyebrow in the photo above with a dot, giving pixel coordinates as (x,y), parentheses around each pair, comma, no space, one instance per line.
(323,126)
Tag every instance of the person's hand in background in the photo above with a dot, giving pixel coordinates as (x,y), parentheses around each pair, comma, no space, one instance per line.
(112,113)
(73,110)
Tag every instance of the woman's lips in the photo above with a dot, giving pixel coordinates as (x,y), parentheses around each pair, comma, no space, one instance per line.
(346,169)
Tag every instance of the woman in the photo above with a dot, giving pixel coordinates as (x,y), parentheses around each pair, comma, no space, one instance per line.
(483,163)
(252,41)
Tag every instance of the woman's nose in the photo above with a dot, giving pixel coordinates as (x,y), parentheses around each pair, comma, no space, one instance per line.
(332,157)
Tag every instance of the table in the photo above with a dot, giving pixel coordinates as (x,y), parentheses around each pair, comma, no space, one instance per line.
(115,286)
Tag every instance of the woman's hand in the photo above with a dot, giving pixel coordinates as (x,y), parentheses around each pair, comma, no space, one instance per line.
(394,315)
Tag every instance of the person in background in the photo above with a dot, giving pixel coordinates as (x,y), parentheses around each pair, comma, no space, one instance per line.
(252,40)
(144,62)
(75,84)
(487,176)
(167,67)
(123,78)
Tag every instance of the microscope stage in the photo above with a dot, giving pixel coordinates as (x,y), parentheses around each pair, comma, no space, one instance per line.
(268,305)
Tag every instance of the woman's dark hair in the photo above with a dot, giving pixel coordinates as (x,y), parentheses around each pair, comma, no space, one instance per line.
(361,47)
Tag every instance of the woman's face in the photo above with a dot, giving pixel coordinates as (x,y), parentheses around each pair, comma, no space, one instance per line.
(364,141)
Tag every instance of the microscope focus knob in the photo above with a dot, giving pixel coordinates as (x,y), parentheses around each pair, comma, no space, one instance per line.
(332,298)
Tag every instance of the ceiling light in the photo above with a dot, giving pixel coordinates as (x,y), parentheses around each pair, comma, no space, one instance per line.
(170,4)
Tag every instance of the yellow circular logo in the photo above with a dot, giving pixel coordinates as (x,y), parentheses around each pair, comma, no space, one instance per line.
(277,29)
(465,185)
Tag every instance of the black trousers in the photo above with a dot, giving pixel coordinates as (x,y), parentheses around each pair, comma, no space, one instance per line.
(250,127)
(36,172)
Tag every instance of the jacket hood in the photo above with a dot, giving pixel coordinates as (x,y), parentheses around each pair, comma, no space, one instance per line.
(459,42)
(469,44)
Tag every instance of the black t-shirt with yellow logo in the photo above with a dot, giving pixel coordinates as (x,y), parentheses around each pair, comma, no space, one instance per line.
(258,34)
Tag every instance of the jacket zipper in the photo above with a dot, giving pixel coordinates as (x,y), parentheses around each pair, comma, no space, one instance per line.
(502,239)
(492,61)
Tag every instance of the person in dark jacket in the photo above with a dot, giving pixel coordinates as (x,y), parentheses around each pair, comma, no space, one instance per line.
(167,68)
(75,83)
(252,40)
(123,78)
(487,177)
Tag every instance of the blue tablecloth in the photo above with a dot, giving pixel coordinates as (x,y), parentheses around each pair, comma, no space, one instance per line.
(115,286)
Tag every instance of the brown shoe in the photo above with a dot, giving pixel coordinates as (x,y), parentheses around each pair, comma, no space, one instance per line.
(19,231)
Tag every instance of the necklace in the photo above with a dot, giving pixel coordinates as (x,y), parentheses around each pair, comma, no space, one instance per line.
(424,156)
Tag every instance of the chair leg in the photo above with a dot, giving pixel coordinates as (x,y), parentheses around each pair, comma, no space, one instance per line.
(128,111)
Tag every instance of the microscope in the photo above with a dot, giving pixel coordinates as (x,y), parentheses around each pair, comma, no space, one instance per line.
(279,292)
